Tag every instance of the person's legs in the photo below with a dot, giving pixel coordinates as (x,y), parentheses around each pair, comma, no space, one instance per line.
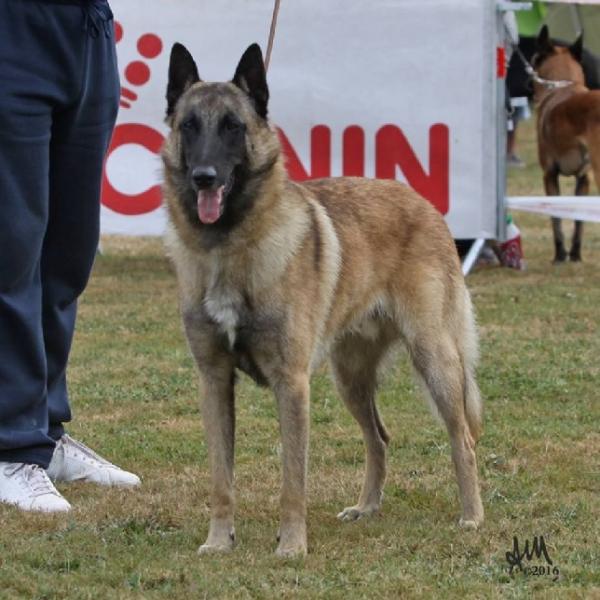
(58,104)
(35,75)
(80,137)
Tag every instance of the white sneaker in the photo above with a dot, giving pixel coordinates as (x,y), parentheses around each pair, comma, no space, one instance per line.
(74,461)
(28,487)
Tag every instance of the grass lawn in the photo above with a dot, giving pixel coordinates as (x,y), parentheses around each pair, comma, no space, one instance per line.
(134,398)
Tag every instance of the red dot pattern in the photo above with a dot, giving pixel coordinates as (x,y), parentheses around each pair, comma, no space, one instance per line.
(118,31)
(137,73)
(149,45)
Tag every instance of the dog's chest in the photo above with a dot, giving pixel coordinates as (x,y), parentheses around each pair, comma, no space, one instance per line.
(224,305)
(229,310)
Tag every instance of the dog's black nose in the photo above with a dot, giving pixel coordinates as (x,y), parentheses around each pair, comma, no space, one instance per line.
(204,177)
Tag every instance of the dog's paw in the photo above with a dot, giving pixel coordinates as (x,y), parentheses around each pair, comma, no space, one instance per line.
(469,524)
(292,541)
(559,258)
(215,548)
(220,542)
(291,551)
(354,513)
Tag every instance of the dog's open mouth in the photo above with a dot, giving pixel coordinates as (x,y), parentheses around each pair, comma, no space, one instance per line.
(212,202)
(210,205)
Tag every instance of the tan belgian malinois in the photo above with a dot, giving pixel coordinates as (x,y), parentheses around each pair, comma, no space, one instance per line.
(275,276)
(568,128)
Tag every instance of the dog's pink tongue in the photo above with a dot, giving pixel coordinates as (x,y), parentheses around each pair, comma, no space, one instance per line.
(209,204)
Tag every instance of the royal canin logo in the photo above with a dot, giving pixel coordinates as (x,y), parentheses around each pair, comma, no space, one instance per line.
(393,151)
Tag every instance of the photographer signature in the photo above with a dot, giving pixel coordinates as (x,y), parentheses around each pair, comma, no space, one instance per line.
(537,550)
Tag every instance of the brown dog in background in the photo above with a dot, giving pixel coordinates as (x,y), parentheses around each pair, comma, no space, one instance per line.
(568,129)
(275,276)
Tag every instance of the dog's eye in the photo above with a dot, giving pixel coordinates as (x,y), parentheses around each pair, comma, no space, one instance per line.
(188,124)
(232,125)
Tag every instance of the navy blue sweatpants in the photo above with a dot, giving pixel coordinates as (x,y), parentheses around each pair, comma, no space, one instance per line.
(59,93)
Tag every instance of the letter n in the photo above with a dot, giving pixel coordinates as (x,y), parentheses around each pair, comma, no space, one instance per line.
(393,150)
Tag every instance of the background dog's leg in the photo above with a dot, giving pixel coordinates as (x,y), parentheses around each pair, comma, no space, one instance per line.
(582,188)
(560,254)
(437,359)
(218,413)
(292,396)
(354,361)
(552,189)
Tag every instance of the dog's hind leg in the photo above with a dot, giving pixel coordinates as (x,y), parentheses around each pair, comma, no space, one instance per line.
(447,371)
(582,188)
(552,189)
(354,362)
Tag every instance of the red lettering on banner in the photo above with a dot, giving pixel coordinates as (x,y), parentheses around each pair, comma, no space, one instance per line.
(320,154)
(393,150)
(353,151)
(147,201)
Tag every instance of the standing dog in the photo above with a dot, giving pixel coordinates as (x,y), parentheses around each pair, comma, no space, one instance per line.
(568,129)
(274,276)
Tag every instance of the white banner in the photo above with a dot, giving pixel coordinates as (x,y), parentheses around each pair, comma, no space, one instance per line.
(403,89)
(579,208)
(573,1)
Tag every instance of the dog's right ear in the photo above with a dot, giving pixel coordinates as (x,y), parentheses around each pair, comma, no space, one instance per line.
(543,42)
(183,73)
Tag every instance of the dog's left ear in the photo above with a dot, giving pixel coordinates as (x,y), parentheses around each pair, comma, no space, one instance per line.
(576,48)
(250,77)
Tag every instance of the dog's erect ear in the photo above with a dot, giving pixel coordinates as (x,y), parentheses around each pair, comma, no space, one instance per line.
(250,76)
(182,74)
(576,48)
(543,40)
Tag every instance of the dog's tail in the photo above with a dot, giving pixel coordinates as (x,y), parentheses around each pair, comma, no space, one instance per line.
(472,399)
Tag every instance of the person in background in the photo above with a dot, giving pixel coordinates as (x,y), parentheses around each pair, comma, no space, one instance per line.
(58,104)
(527,23)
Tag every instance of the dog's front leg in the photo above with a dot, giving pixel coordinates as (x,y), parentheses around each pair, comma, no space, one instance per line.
(293,404)
(216,368)
(218,413)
